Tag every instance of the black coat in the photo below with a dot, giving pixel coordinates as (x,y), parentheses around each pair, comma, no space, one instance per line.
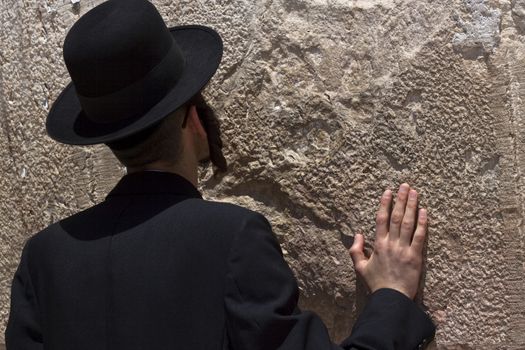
(156,267)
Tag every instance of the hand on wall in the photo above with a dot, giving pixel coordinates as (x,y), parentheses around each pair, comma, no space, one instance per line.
(397,259)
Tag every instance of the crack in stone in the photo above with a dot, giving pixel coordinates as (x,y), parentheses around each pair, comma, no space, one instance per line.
(507,88)
(5,124)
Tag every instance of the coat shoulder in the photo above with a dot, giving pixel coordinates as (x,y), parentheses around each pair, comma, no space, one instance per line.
(55,231)
(229,210)
(221,214)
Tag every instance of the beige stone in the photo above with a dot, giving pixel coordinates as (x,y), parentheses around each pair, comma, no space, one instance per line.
(324,103)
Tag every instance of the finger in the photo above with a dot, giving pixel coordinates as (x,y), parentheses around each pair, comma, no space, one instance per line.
(383,215)
(409,219)
(418,241)
(399,211)
(357,252)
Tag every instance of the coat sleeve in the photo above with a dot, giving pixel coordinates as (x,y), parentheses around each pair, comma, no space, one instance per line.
(391,321)
(23,330)
(261,304)
(262,294)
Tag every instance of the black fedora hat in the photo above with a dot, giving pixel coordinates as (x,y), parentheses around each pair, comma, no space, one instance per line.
(128,72)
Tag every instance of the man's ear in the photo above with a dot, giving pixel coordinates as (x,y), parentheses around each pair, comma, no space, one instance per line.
(194,122)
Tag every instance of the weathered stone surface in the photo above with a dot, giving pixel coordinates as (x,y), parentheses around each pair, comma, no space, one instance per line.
(324,103)
(518,12)
(481,33)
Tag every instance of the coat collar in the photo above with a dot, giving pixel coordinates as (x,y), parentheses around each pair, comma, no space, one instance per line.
(154,182)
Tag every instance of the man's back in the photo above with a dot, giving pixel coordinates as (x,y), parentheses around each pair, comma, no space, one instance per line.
(143,270)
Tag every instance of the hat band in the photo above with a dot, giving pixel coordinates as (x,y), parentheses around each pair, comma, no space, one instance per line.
(136,99)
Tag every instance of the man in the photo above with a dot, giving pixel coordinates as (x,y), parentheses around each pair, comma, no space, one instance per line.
(155,266)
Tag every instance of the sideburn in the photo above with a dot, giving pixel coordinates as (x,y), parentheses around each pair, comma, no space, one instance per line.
(211,124)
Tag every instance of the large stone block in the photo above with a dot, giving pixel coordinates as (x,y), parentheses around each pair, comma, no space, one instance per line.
(324,103)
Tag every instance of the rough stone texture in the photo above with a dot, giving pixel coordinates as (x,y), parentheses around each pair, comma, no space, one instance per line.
(324,103)
(481,35)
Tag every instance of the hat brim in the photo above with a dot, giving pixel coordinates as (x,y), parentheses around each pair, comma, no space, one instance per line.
(202,50)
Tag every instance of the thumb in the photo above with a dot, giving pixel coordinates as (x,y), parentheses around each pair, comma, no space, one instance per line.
(357,250)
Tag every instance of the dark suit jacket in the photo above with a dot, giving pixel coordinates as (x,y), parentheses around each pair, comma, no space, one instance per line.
(157,267)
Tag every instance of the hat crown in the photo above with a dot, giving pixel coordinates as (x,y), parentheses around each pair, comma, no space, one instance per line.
(114,45)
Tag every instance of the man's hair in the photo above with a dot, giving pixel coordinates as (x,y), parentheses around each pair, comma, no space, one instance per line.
(159,142)
(163,141)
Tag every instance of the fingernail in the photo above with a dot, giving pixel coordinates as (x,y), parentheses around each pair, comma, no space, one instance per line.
(422,214)
(387,193)
(404,188)
(412,194)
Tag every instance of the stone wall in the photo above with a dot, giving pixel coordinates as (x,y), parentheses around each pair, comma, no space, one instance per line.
(324,103)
